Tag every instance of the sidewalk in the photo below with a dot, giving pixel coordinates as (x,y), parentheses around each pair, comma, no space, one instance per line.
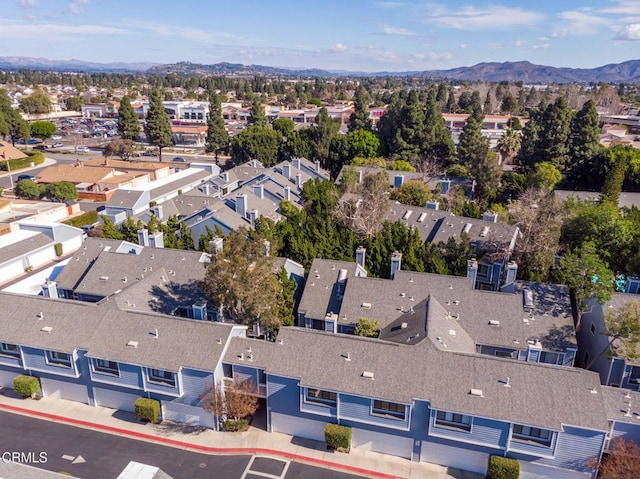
(45,163)
(254,441)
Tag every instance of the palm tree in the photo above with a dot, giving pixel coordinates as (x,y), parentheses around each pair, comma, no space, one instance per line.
(509,145)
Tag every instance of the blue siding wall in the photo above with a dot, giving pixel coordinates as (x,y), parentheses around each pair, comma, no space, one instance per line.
(10,361)
(284,395)
(483,432)
(194,384)
(358,409)
(130,377)
(245,372)
(574,448)
(35,359)
(627,431)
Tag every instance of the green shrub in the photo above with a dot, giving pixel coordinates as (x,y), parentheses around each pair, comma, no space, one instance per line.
(147,409)
(58,248)
(337,437)
(235,426)
(89,218)
(503,468)
(34,157)
(26,386)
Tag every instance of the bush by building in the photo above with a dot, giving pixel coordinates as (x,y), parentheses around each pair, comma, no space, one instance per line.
(26,386)
(503,468)
(147,409)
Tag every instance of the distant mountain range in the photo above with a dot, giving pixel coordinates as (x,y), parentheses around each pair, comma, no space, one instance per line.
(626,72)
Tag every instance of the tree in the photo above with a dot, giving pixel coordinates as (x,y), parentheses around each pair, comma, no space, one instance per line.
(410,128)
(554,133)
(284,126)
(529,153)
(128,126)
(473,147)
(586,275)
(109,230)
(60,191)
(122,148)
(437,149)
(619,159)
(35,103)
(509,145)
(355,144)
(236,402)
(621,462)
(158,128)
(414,193)
(545,176)
(486,173)
(622,327)
(584,142)
(27,189)
(321,134)
(359,119)
(256,142)
(43,129)
(217,136)
(367,328)
(258,116)
(12,124)
(240,279)
(73,103)
(401,165)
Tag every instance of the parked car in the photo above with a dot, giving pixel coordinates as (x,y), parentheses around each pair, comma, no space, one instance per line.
(149,153)
(58,144)
(33,141)
(41,147)
(179,159)
(83,149)
(56,137)
(26,178)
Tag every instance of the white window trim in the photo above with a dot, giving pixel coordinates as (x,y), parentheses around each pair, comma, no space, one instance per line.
(451,424)
(163,381)
(524,438)
(105,370)
(4,351)
(388,414)
(319,401)
(51,360)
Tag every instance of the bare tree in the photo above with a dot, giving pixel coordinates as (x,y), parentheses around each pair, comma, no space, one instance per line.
(235,402)
(364,206)
(622,461)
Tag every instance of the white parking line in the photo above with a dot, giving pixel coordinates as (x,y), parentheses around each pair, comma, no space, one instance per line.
(264,474)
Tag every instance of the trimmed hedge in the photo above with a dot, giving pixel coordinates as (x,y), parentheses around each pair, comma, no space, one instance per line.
(88,218)
(147,409)
(337,437)
(235,426)
(503,468)
(26,386)
(34,157)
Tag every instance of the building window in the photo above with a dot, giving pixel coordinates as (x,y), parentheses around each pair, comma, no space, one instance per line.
(227,370)
(529,434)
(161,376)
(593,329)
(9,349)
(389,409)
(56,358)
(262,376)
(453,420)
(318,396)
(549,357)
(483,270)
(105,366)
(634,376)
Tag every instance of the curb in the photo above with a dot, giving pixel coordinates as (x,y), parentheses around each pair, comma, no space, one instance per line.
(197,447)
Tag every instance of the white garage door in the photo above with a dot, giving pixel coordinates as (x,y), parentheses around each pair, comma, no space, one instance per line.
(6,379)
(64,390)
(384,443)
(529,470)
(298,427)
(456,457)
(183,413)
(114,399)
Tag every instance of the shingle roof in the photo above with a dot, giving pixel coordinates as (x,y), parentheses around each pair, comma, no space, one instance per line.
(29,241)
(621,405)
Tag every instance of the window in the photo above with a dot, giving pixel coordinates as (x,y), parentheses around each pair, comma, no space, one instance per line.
(529,434)
(549,357)
(161,376)
(9,349)
(227,370)
(105,366)
(391,409)
(483,270)
(453,420)
(634,376)
(56,358)
(262,376)
(318,396)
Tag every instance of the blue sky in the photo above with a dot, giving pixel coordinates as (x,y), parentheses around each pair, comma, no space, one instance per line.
(355,35)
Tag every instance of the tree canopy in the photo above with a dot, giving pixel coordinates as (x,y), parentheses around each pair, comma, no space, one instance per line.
(158,127)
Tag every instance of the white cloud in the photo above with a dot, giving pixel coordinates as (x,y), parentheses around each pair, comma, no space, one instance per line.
(583,22)
(488,18)
(629,33)
(27,4)
(519,43)
(165,30)
(389,30)
(542,46)
(50,31)
(339,47)
(390,4)
(623,7)
(563,33)
(463,46)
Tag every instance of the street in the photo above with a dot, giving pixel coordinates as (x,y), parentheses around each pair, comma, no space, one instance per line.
(89,454)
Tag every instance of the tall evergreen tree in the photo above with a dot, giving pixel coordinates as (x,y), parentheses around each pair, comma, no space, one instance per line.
(451,102)
(359,119)
(529,153)
(473,147)
(217,136)
(128,127)
(476,107)
(438,145)
(410,134)
(258,116)
(554,133)
(584,142)
(158,128)
(321,134)
(388,126)
(488,105)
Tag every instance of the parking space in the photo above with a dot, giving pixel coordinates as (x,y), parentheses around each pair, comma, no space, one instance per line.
(269,467)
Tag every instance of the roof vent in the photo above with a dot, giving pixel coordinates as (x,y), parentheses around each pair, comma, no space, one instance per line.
(241,356)
(476,392)
(452,332)
(404,325)
(280,341)
(368,375)
(366,305)
(484,232)
(46,329)
(104,278)
(507,382)
(494,322)
(593,390)
(132,344)
(347,357)
(40,315)
(219,341)
(249,357)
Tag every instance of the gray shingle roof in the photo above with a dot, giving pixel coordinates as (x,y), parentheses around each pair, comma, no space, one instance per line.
(539,395)
(621,405)
(24,246)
